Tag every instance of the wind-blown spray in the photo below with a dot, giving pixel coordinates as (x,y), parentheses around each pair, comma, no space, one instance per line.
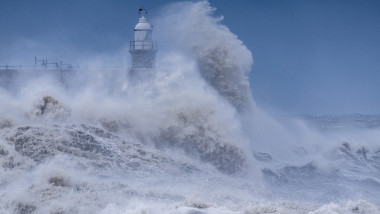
(190,141)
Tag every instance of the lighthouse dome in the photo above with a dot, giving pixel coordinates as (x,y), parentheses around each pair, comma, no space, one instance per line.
(143,24)
(143,30)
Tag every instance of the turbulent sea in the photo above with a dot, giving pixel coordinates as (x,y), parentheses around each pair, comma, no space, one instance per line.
(190,140)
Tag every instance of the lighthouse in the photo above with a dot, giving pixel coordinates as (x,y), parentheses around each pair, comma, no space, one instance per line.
(143,50)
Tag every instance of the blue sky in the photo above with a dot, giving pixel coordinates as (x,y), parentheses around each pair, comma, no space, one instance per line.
(311,56)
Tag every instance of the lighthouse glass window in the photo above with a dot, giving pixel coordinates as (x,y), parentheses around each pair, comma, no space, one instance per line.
(143,35)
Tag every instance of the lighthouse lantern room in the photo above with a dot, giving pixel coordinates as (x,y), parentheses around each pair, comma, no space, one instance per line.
(143,49)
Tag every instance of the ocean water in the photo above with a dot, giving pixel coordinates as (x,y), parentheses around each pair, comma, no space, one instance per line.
(191,140)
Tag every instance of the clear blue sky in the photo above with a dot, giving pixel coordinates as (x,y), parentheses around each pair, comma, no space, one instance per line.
(311,56)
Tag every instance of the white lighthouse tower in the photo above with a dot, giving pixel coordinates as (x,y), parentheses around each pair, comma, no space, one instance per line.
(143,50)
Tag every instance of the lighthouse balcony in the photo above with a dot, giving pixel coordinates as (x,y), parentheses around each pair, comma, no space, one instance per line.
(143,45)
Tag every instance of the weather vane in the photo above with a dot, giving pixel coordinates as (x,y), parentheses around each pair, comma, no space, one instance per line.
(143,11)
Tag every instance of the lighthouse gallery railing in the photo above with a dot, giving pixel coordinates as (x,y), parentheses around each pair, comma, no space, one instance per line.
(142,45)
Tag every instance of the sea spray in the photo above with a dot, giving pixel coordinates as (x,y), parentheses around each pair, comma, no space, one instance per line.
(222,59)
(190,141)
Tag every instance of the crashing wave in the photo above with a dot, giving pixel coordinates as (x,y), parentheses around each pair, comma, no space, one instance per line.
(180,143)
(223,60)
(51,107)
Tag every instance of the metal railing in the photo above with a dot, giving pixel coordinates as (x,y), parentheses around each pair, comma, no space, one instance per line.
(41,63)
(142,45)
(52,66)
(10,66)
